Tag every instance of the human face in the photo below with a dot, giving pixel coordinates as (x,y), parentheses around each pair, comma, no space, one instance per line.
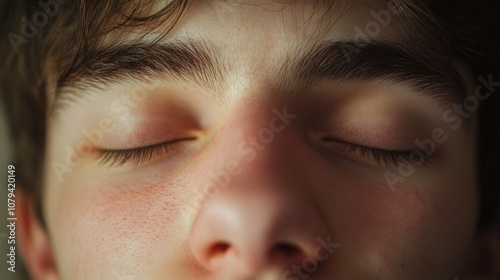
(260,167)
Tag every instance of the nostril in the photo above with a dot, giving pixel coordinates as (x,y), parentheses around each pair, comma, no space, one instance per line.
(288,252)
(287,248)
(218,248)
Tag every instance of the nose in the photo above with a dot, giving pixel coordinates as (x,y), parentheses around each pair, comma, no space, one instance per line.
(251,229)
(263,219)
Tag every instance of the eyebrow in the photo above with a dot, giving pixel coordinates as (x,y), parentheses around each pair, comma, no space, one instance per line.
(200,62)
(426,72)
(188,61)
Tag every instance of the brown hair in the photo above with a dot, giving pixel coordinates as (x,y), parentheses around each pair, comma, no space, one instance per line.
(48,38)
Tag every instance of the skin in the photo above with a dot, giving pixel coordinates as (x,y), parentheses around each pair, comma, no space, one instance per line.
(153,221)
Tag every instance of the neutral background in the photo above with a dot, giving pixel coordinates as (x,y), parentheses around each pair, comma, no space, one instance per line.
(5,160)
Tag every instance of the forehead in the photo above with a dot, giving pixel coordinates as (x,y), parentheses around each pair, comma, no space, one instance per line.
(293,23)
(245,26)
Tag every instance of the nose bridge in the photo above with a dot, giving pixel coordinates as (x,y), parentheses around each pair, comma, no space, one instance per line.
(253,137)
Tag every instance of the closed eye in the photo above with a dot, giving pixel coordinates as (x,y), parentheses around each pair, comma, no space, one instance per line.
(140,155)
(384,157)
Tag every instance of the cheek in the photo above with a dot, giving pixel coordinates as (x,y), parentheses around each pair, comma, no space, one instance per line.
(383,228)
(423,225)
(112,226)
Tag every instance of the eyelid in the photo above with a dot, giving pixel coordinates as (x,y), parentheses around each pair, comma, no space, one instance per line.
(139,155)
(383,157)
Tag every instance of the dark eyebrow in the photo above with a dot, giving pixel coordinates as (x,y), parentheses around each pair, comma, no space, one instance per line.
(424,71)
(184,60)
(200,62)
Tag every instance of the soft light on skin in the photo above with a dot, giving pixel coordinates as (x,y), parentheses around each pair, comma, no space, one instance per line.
(109,223)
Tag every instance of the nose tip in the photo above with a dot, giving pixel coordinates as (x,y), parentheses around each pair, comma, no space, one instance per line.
(249,231)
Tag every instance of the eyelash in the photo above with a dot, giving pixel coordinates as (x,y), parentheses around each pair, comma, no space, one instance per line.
(383,157)
(137,156)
